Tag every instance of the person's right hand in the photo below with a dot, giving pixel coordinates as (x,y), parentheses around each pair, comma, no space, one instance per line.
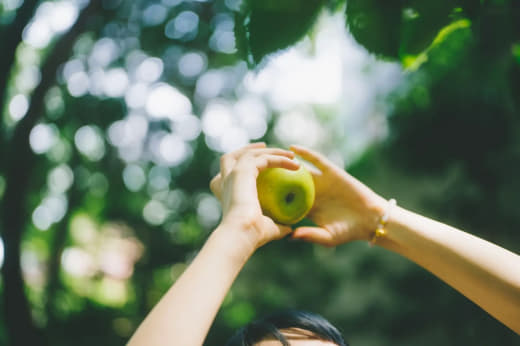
(344,209)
(235,187)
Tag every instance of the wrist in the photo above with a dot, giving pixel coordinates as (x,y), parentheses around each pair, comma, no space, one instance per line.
(234,240)
(373,213)
(400,219)
(382,214)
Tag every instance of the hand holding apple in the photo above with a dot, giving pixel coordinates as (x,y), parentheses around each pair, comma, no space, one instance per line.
(235,186)
(344,209)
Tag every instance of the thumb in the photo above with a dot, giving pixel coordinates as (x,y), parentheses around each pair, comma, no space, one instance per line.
(316,235)
(274,230)
(283,230)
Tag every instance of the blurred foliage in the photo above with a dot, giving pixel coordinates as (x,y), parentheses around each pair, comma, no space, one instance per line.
(107,152)
(409,26)
(269,25)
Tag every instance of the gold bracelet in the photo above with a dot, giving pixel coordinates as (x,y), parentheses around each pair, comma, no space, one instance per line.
(380,229)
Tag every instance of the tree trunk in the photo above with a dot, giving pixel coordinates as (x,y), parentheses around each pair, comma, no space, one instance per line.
(11,37)
(19,164)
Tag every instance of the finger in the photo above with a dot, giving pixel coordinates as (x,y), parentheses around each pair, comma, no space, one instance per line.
(322,163)
(313,157)
(316,235)
(247,163)
(282,231)
(312,169)
(237,153)
(273,151)
(247,169)
(275,161)
(216,185)
(255,145)
(227,161)
(248,154)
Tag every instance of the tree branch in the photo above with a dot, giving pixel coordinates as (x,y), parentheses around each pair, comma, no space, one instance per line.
(19,164)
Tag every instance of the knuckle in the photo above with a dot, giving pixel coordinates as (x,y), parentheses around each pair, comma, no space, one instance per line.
(262,162)
(240,168)
(212,183)
(223,159)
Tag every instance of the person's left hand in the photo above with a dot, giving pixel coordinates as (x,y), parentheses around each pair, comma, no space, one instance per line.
(235,187)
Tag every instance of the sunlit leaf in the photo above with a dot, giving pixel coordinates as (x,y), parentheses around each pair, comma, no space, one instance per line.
(450,40)
(399,29)
(419,29)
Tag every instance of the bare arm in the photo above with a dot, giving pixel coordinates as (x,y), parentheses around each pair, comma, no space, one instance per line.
(185,313)
(485,273)
(347,210)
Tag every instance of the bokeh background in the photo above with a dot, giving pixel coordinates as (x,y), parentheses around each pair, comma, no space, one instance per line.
(115,112)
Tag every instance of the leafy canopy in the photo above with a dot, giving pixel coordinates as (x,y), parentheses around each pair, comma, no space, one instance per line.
(393,29)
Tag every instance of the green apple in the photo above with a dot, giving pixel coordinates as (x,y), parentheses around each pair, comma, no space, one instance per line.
(285,196)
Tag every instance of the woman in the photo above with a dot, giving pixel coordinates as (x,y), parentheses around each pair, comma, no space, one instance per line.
(344,210)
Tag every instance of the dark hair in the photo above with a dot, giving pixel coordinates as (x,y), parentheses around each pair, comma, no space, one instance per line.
(270,325)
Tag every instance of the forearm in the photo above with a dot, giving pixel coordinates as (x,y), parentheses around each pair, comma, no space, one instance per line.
(185,313)
(485,273)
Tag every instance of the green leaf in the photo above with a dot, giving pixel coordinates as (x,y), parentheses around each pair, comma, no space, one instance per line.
(271,25)
(448,44)
(376,24)
(398,29)
(421,21)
